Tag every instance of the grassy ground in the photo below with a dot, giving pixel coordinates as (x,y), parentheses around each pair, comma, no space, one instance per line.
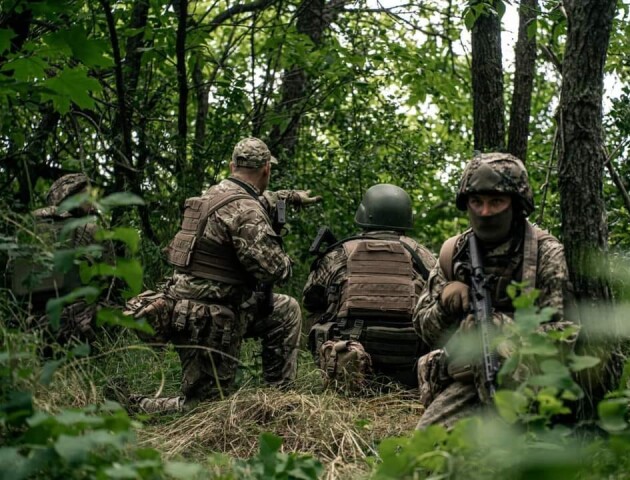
(342,432)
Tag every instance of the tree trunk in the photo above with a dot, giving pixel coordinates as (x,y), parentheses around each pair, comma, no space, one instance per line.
(581,168)
(487,83)
(524,70)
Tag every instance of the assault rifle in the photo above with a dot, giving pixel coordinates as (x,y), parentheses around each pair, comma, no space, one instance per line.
(264,291)
(482,309)
(324,236)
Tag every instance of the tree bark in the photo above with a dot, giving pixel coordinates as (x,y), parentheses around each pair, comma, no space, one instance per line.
(581,159)
(487,83)
(524,70)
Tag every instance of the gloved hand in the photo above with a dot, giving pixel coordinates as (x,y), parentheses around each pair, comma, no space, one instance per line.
(455,298)
(302,198)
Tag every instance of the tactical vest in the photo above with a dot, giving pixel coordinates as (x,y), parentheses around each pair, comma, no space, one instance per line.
(35,279)
(520,264)
(376,302)
(190,252)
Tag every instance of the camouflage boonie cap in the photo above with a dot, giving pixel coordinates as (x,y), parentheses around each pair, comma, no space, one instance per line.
(252,152)
(66,186)
(496,173)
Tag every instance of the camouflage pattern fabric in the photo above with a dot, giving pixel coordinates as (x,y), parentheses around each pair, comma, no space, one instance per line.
(330,272)
(252,152)
(208,343)
(66,186)
(498,173)
(208,373)
(345,365)
(432,322)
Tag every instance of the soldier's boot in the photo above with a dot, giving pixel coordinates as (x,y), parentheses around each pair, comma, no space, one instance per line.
(157,405)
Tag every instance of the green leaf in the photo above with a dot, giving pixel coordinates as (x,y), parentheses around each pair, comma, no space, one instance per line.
(73,201)
(71,85)
(511,405)
(182,470)
(49,370)
(131,272)
(6,34)
(90,52)
(612,414)
(269,444)
(73,449)
(26,69)
(129,236)
(72,224)
(121,199)
(532,28)
(582,362)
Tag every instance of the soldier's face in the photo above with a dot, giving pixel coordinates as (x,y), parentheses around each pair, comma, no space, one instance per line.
(485,205)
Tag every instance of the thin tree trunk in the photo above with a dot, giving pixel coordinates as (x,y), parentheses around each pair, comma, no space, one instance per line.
(525,63)
(487,83)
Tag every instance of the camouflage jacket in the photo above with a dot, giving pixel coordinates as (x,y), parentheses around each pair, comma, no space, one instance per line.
(330,271)
(247,225)
(430,319)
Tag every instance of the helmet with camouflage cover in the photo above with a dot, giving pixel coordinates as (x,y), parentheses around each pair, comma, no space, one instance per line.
(66,186)
(385,206)
(496,173)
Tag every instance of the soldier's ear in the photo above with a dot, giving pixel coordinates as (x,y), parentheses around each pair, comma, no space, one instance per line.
(232,166)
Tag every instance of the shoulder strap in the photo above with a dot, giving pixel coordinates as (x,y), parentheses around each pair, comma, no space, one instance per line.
(214,204)
(533,235)
(446,256)
(417,261)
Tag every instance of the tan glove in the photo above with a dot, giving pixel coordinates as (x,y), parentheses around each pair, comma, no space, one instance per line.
(303,198)
(455,298)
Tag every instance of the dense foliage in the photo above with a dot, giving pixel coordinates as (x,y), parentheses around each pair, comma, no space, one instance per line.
(149,96)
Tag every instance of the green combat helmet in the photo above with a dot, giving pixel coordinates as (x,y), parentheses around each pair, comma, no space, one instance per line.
(385,206)
(64,187)
(496,173)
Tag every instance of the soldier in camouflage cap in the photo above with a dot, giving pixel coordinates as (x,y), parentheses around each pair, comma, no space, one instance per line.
(495,192)
(361,292)
(226,256)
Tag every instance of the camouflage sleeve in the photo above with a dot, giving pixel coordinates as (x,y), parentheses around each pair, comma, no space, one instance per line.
(552,276)
(315,295)
(258,247)
(429,318)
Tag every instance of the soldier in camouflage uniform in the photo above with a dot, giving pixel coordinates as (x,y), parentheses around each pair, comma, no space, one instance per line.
(36,287)
(361,292)
(495,192)
(225,250)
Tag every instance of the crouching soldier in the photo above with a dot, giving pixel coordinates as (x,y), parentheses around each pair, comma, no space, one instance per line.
(495,192)
(226,249)
(361,293)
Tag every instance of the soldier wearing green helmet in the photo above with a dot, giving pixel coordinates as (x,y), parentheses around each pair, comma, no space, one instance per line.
(495,192)
(360,295)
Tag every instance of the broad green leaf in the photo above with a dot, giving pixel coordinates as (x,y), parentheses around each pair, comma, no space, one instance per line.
(49,369)
(73,449)
(73,201)
(582,362)
(6,34)
(72,224)
(612,414)
(129,236)
(89,51)
(27,69)
(121,199)
(131,272)
(71,85)
(269,444)
(182,470)
(510,405)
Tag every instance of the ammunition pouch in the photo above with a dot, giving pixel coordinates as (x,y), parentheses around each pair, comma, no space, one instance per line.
(319,334)
(345,365)
(392,347)
(460,371)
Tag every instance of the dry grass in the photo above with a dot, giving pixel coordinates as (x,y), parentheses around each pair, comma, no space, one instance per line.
(340,431)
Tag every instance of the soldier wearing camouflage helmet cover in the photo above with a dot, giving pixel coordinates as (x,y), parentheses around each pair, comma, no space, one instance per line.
(225,248)
(29,280)
(495,192)
(360,295)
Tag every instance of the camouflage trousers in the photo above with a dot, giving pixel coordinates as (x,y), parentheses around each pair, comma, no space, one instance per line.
(458,400)
(210,363)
